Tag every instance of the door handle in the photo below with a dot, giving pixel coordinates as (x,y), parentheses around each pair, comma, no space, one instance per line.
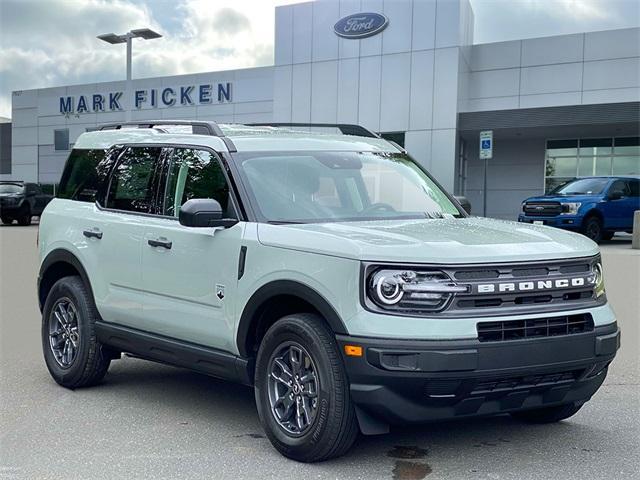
(160,243)
(93,234)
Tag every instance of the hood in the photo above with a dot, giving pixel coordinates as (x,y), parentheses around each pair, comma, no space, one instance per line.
(442,241)
(565,198)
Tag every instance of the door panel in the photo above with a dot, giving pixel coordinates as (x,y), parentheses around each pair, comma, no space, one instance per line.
(182,283)
(190,274)
(120,254)
(619,212)
(128,203)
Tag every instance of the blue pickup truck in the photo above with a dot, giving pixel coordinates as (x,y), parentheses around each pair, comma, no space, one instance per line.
(598,207)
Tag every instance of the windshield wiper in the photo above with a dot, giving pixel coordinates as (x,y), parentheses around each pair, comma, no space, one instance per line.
(284,222)
(434,215)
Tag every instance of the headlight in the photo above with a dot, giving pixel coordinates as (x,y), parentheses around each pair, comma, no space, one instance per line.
(411,290)
(570,208)
(598,280)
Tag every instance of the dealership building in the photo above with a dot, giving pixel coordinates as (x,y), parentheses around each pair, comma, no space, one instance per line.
(558,107)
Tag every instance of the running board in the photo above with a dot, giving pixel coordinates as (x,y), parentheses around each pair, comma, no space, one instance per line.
(199,358)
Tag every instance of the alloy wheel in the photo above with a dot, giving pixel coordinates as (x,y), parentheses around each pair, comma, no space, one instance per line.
(64,338)
(293,386)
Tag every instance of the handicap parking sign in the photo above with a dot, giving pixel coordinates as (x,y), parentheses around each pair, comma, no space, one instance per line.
(486,144)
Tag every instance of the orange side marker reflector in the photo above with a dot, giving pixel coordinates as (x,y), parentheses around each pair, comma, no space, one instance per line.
(353,350)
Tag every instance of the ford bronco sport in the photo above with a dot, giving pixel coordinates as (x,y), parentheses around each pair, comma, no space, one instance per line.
(327,270)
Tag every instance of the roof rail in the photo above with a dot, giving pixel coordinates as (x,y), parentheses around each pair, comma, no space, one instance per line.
(345,128)
(199,127)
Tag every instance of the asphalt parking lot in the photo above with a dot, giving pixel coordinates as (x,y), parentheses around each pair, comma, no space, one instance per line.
(154,421)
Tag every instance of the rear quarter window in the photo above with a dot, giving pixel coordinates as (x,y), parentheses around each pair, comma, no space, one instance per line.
(83,174)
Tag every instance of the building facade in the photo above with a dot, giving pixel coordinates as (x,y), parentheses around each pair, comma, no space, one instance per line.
(559,107)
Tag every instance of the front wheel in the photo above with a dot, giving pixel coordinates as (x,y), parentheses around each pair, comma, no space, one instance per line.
(302,390)
(592,228)
(6,220)
(547,414)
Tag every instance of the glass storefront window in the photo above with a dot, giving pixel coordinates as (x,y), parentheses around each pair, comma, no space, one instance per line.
(603,166)
(562,152)
(586,151)
(627,150)
(585,166)
(561,167)
(567,159)
(626,165)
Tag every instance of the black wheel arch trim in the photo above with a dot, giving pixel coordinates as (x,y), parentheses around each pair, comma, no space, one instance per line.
(594,212)
(290,288)
(61,255)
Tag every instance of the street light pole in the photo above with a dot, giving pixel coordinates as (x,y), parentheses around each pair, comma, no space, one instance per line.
(112,38)
(129,106)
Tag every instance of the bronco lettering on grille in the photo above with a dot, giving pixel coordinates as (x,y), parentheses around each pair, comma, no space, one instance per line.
(532,286)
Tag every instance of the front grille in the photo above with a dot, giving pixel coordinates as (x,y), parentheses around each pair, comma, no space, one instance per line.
(499,385)
(452,390)
(543,209)
(534,328)
(540,293)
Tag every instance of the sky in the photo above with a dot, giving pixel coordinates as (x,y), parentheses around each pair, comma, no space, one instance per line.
(46,43)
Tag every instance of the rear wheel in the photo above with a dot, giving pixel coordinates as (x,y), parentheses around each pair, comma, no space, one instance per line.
(71,349)
(608,235)
(7,220)
(592,228)
(302,390)
(25,219)
(547,414)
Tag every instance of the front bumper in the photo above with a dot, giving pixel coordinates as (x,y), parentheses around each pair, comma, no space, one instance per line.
(570,222)
(404,381)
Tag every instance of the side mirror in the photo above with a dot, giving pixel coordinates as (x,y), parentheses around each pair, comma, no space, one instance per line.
(464,203)
(615,195)
(204,212)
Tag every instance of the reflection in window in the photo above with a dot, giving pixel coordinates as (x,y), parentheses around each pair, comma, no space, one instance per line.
(195,174)
(131,186)
(567,159)
(82,175)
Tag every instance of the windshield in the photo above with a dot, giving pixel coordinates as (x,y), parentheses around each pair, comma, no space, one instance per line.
(10,188)
(341,186)
(584,186)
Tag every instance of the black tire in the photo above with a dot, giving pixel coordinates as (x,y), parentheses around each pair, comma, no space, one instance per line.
(25,219)
(334,427)
(607,235)
(6,220)
(592,228)
(91,360)
(547,414)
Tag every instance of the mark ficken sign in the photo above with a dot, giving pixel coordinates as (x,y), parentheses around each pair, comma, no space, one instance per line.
(204,94)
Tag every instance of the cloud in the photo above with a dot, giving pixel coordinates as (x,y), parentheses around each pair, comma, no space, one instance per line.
(498,20)
(53,43)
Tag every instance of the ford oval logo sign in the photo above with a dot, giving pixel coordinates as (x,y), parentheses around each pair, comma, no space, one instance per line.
(360,25)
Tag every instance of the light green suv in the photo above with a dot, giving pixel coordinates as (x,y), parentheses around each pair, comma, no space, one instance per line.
(328,270)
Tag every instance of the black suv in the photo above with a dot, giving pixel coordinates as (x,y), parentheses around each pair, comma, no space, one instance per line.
(20,201)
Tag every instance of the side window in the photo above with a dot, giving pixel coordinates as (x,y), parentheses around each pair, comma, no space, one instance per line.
(82,176)
(195,174)
(634,186)
(620,186)
(132,181)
